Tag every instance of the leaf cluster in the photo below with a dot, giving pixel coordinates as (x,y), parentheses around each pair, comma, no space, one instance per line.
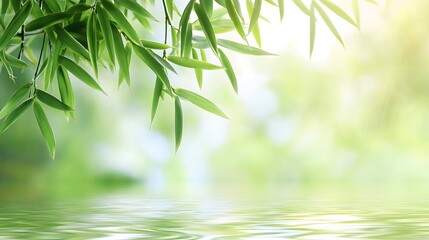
(92,34)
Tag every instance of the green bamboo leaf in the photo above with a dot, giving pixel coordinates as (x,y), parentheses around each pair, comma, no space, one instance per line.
(7,65)
(207,27)
(92,40)
(104,21)
(184,24)
(237,6)
(302,6)
(312,28)
(186,42)
(66,90)
(241,48)
(52,101)
(178,120)
(192,63)
(281,4)
(136,8)
(13,116)
(14,100)
(53,65)
(53,5)
(15,24)
(232,12)
(207,6)
(271,2)
(200,102)
(78,72)
(78,8)
(255,14)
(228,69)
(153,64)
(155,45)
(337,10)
(122,21)
(16,5)
(329,23)
(356,12)
(155,99)
(45,128)
(170,8)
(255,31)
(198,71)
(162,61)
(47,21)
(15,62)
(71,42)
(124,71)
(4,7)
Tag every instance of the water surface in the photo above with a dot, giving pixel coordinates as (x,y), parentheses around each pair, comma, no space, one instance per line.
(131,215)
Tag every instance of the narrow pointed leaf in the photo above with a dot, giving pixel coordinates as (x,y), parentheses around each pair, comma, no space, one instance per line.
(161,61)
(178,120)
(241,48)
(13,116)
(200,102)
(281,4)
(106,31)
(155,99)
(198,71)
(71,42)
(356,12)
(183,24)
(337,10)
(136,8)
(155,45)
(302,6)
(207,6)
(255,14)
(66,90)
(312,28)
(47,21)
(14,100)
(206,25)
(120,54)
(15,62)
(52,101)
(232,12)
(228,69)
(122,21)
(45,128)
(92,40)
(329,23)
(78,72)
(15,24)
(153,64)
(192,63)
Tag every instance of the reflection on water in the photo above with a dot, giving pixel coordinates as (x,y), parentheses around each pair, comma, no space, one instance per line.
(136,216)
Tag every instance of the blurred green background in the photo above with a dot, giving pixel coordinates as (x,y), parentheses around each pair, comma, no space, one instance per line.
(353,118)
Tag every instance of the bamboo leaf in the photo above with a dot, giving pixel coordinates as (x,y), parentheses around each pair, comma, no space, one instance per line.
(161,61)
(207,27)
(207,5)
(155,99)
(15,62)
(281,5)
(178,120)
(14,100)
(241,48)
(104,21)
(153,64)
(66,90)
(122,21)
(15,24)
(14,115)
(155,45)
(136,8)
(192,63)
(337,10)
(52,101)
(255,14)
(184,24)
(47,21)
(232,12)
(228,69)
(45,128)
(198,71)
(124,71)
(78,72)
(92,40)
(53,5)
(71,42)
(302,6)
(356,12)
(328,23)
(200,102)
(312,28)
